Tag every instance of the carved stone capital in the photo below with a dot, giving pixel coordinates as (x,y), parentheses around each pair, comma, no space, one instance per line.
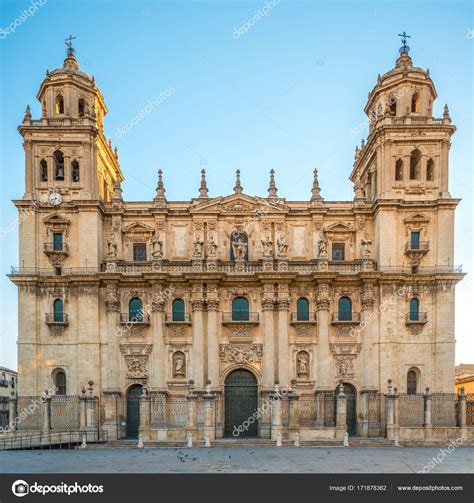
(268,304)
(322,304)
(212,304)
(197,304)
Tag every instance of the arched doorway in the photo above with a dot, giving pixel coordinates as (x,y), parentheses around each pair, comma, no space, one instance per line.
(351,400)
(240,402)
(133,410)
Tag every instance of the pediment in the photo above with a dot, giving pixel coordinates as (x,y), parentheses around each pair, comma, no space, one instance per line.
(239,204)
(417,218)
(137,228)
(339,227)
(56,219)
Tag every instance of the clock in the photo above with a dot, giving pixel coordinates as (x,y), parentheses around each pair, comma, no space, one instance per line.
(55,198)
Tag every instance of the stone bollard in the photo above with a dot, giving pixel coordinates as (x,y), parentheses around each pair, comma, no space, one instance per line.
(395,440)
(346,439)
(278,439)
(207,442)
(190,440)
(297,439)
(84,442)
(140,441)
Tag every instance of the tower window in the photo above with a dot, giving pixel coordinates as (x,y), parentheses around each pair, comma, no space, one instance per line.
(412,382)
(59,104)
(58,310)
(415,240)
(135,310)
(393,106)
(44,170)
(415,161)
(81,107)
(302,309)
(338,250)
(399,170)
(58,241)
(75,175)
(139,252)
(414,309)
(177,309)
(430,170)
(415,103)
(59,165)
(344,309)
(59,379)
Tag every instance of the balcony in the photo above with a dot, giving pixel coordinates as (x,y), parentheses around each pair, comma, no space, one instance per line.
(56,248)
(138,318)
(303,317)
(56,319)
(182,319)
(416,318)
(422,248)
(345,319)
(240,318)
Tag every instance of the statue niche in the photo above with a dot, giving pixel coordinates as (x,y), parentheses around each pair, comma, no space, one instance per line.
(179,365)
(239,246)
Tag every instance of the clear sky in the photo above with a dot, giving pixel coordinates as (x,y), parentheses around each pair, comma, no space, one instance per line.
(285,95)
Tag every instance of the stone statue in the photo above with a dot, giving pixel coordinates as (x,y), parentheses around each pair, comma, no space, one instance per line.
(366,247)
(157,247)
(282,245)
(112,246)
(322,246)
(267,244)
(211,246)
(302,365)
(198,246)
(179,367)
(240,249)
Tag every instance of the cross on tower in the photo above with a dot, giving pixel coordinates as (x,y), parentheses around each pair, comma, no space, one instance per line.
(404,47)
(70,51)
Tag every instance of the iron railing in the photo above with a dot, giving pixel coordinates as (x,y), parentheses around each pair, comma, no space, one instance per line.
(240,317)
(48,440)
(56,318)
(177,318)
(56,247)
(345,318)
(423,246)
(139,317)
(419,317)
(303,317)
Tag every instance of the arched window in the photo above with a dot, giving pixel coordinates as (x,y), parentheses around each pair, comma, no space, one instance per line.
(240,309)
(135,310)
(44,170)
(399,170)
(58,310)
(59,380)
(414,309)
(415,103)
(344,309)
(393,106)
(59,104)
(75,174)
(430,170)
(302,309)
(59,165)
(80,107)
(412,381)
(415,161)
(178,310)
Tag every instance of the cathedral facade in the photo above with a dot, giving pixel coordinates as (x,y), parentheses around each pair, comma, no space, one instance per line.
(233,295)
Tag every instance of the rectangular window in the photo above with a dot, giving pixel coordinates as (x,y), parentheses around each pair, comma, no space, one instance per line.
(338,251)
(57,241)
(139,252)
(415,241)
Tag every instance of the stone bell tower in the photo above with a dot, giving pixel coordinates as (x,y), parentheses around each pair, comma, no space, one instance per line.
(403,168)
(66,150)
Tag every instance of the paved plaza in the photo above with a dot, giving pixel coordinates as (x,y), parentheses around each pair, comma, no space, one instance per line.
(238,460)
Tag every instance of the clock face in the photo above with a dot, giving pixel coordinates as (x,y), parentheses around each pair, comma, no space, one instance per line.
(55,198)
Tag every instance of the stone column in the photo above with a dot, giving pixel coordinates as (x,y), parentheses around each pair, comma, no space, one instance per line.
(209,416)
(364,333)
(46,410)
(462,417)
(30,169)
(191,398)
(212,338)
(427,414)
(115,333)
(364,409)
(82,410)
(158,355)
(324,355)
(145,413)
(197,304)
(294,419)
(341,413)
(276,413)
(268,344)
(283,364)
(390,412)
(91,408)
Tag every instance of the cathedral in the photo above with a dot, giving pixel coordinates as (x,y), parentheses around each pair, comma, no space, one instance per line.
(236,296)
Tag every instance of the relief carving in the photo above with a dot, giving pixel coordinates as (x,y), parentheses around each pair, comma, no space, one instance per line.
(241,354)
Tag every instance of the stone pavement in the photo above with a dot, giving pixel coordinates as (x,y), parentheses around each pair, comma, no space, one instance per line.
(238,460)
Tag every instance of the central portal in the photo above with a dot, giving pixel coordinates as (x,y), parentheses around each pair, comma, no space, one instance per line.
(241,402)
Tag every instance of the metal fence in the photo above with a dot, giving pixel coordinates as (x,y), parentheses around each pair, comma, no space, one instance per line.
(375,403)
(308,410)
(444,409)
(411,409)
(158,411)
(65,412)
(29,412)
(4,412)
(177,409)
(470,409)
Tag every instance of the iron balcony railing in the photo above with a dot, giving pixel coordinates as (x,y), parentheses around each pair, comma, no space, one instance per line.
(138,317)
(303,317)
(178,318)
(420,247)
(240,317)
(56,247)
(345,317)
(59,318)
(414,317)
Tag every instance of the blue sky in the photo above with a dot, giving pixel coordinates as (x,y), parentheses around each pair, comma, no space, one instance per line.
(283,95)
